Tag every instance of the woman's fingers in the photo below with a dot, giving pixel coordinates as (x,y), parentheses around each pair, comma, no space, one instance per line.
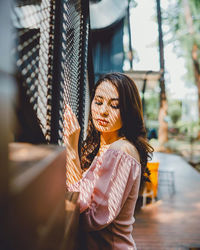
(71,124)
(72,120)
(71,129)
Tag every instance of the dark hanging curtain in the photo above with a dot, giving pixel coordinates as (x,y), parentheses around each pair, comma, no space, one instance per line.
(107,49)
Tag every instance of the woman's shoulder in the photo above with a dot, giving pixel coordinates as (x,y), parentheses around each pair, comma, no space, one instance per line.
(127,147)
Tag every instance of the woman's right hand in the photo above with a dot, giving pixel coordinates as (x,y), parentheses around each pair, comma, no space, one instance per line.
(71,139)
(71,128)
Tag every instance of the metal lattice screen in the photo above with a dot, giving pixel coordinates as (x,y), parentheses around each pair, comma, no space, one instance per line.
(51,55)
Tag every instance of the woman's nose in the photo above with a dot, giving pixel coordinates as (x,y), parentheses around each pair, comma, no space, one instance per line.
(104,110)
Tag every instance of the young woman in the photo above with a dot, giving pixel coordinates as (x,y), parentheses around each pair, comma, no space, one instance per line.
(113,157)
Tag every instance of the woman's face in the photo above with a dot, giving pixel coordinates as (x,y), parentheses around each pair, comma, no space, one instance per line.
(105,108)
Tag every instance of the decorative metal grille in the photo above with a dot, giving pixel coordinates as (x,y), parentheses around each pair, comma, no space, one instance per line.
(51,55)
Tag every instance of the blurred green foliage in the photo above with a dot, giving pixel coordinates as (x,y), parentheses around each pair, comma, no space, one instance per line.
(151,106)
(174,110)
(189,128)
(180,35)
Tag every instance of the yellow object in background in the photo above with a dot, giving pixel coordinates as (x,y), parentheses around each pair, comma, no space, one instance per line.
(153,167)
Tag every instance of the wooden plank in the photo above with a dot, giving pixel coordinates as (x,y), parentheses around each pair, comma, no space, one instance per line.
(72,221)
(36,209)
(172,222)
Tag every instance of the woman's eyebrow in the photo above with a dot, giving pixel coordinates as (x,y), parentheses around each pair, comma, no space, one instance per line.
(114,99)
(111,99)
(99,96)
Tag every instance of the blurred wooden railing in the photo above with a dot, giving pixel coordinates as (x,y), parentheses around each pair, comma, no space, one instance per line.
(39,213)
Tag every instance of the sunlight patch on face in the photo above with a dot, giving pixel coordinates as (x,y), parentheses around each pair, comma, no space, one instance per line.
(105,108)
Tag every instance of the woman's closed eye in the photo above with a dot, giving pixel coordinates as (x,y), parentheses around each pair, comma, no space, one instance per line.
(98,102)
(112,103)
(116,106)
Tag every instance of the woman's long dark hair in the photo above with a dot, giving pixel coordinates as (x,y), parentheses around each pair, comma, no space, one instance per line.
(132,122)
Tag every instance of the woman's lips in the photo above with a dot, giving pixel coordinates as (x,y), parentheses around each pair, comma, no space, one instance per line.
(102,122)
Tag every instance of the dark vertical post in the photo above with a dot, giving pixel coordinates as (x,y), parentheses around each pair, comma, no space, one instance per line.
(129,34)
(161,53)
(144,89)
(7,96)
(55,91)
(84,60)
(163,126)
(7,92)
(90,64)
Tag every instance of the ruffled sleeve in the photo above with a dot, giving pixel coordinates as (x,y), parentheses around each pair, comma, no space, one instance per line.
(105,188)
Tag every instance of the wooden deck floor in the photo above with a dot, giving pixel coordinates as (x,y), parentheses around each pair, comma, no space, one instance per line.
(173,221)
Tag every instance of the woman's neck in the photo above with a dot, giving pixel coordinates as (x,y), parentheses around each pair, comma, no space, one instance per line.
(108,138)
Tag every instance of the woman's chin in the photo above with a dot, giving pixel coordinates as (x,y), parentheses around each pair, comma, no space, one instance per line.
(100,129)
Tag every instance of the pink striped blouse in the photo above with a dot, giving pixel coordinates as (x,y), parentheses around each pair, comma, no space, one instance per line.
(108,194)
